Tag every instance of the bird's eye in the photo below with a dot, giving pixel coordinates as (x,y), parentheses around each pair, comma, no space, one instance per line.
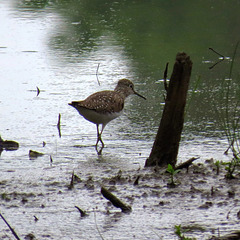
(131,86)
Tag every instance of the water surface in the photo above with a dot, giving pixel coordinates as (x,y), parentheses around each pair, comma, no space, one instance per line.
(57,47)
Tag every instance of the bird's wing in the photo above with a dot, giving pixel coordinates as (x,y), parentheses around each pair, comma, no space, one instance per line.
(105,101)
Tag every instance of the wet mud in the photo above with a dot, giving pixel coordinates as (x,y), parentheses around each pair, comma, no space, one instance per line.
(202,201)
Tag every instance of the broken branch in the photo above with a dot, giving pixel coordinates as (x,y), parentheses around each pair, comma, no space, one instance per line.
(114,200)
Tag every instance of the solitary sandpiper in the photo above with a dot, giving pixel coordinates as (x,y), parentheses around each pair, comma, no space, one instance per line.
(102,107)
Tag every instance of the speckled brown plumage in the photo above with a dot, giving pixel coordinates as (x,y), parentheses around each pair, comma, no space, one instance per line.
(102,102)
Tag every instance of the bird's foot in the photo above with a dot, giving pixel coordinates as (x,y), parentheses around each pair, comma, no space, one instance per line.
(99,150)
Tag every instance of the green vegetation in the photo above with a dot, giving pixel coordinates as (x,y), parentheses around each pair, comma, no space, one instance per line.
(229,116)
(179,232)
(173,172)
(231,166)
(217,164)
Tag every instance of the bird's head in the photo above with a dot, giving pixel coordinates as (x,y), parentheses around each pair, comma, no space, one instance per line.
(126,87)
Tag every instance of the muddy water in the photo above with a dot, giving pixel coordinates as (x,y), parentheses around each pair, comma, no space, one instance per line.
(57,49)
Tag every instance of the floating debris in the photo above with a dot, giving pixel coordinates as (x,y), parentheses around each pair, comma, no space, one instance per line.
(82,213)
(8,145)
(33,154)
(59,125)
(114,200)
(30,236)
(38,91)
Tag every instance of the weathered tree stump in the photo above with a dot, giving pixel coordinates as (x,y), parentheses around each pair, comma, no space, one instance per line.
(165,147)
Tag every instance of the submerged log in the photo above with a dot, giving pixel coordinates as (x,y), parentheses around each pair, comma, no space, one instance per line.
(165,147)
(186,164)
(34,154)
(231,236)
(114,200)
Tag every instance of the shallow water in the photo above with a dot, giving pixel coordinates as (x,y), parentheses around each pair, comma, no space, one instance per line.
(57,48)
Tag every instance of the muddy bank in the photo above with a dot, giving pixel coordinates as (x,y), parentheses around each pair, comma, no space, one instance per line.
(203,203)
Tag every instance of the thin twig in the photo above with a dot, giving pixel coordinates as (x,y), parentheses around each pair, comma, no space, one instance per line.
(71,185)
(82,213)
(38,91)
(227,217)
(229,147)
(51,159)
(97,74)
(59,125)
(233,58)
(12,230)
(95,219)
(219,54)
(216,63)
(156,233)
(165,78)
(231,129)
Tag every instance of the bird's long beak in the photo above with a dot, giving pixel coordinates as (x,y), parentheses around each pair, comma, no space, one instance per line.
(139,95)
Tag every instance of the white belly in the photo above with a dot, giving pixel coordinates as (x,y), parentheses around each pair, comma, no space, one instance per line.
(98,118)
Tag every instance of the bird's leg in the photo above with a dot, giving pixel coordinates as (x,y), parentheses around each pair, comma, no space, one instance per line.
(97,135)
(99,138)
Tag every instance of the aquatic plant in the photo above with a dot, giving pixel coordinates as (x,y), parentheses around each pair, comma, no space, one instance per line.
(229,116)
(230,167)
(179,232)
(173,172)
(217,164)
(232,121)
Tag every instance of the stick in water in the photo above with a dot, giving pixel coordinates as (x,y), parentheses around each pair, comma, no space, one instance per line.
(59,125)
(222,58)
(97,74)
(114,200)
(165,78)
(12,230)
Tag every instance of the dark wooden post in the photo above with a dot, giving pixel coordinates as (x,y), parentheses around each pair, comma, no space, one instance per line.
(165,147)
